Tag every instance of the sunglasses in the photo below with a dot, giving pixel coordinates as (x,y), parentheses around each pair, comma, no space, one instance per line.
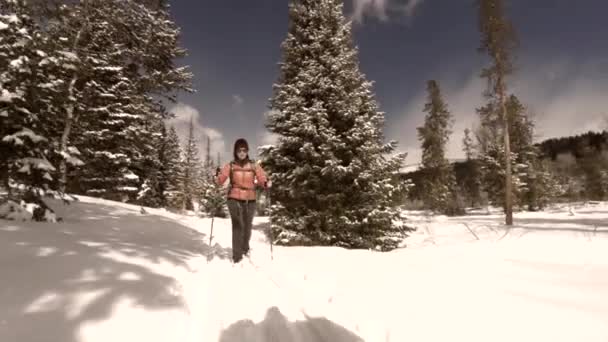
(242,150)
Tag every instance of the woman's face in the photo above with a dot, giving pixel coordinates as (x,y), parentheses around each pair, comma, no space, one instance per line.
(241,153)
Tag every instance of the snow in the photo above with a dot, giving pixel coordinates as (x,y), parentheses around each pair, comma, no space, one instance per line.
(109,69)
(37,163)
(69,55)
(6,96)
(110,273)
(25,169)
(17,63)
(110,155)
(13,18)
(73,150)
(13,211)
(3,26)
(71,159)
(131,176)
(25,132)
(127,188)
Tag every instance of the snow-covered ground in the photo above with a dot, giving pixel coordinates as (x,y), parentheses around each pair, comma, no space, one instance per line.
(111,273)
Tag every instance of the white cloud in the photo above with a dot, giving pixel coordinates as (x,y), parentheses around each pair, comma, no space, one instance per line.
(411,6)
(181,122)
(237,100)
(564,98)
(381,9)
(267,138)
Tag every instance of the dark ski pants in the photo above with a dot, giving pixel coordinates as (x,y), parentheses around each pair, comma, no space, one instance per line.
(241,213)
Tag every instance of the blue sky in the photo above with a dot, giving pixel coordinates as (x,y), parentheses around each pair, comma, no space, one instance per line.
(562,76)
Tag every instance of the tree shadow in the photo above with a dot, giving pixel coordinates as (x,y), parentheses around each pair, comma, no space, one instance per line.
(571,224)
(58,277)
(590,225)
(276,327)
(593,212)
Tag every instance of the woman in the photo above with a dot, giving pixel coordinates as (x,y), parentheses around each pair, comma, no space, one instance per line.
(244,175)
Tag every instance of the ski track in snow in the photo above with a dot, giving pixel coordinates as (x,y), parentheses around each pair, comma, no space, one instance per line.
(110,273)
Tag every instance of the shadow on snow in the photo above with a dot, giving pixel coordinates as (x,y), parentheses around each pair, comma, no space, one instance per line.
(45,266)
(276,327)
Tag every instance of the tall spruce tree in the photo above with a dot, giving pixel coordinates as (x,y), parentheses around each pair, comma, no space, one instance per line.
(24,141)
(498,41)
(533,184)
(530,189)
(190,176)
(208,158)
(171,168)
(491,152)
(333,183)
(148,168)
(468,146)
(212,199)
(439,181)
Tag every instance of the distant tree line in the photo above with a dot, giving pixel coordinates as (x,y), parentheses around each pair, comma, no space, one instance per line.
(576,169)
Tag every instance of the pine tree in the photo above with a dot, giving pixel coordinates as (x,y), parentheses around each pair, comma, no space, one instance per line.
(149,167)
(24,144)
(171,168)
(439,182)
(498,40)
(122,57)
(208,162)
(567,174)
(212,200)
(190,175)
(594,169)
(491,152)
(543,185)
(332,181)
(468,146)
(535,185)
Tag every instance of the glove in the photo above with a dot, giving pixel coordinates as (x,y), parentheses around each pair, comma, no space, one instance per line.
(267,184)
(217,171)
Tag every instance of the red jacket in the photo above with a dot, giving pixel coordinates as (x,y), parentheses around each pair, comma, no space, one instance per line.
(244,180)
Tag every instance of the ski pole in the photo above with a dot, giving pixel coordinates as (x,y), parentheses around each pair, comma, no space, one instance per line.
(211,233)
(270,237)
(211,237)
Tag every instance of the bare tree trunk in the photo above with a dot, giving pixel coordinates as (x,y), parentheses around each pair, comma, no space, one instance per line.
(69,121)
(69,118)
(507,142)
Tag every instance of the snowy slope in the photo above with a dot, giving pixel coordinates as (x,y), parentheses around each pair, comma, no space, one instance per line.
(110,273)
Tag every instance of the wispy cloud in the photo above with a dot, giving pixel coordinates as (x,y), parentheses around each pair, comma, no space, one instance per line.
(382,9)
(267,138)
(263,137)
(237,100)
(564,99)
(183,113)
